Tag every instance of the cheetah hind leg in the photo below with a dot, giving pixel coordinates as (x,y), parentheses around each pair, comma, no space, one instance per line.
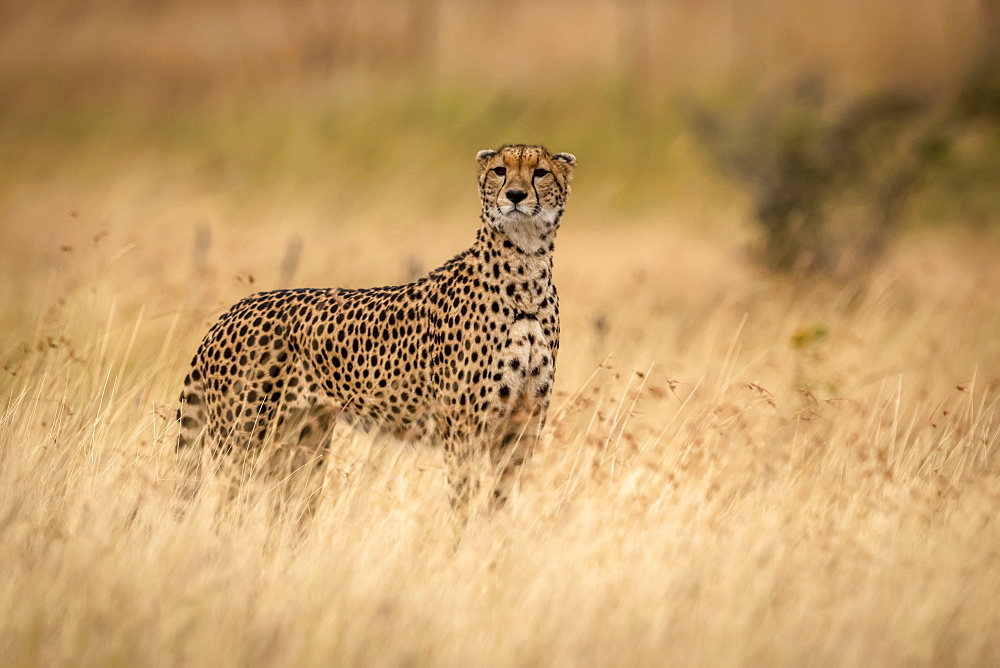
(297,466)
(204,456)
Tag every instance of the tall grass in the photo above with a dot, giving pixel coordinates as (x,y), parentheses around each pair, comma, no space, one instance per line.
(735,469)
(734,472)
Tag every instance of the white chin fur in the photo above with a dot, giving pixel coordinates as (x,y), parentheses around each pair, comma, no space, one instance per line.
(525,231)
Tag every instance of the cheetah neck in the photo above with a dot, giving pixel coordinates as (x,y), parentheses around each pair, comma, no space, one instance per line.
(502,244)
(523,279)
(528,235)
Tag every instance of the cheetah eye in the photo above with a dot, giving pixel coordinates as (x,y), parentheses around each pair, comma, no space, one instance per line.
(539,173)
(499,171)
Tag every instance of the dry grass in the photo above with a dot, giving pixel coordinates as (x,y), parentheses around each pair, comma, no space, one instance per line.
(735,472)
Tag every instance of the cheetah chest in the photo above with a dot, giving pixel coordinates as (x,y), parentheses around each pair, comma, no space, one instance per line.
(526,364)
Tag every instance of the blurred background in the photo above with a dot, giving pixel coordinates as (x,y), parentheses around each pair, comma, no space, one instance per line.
(343,101)
(774,432)
(800,138)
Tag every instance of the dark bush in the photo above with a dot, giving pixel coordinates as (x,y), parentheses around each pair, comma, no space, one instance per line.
(829,183)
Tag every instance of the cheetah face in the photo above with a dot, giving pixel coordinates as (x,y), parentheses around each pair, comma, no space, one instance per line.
(524,190)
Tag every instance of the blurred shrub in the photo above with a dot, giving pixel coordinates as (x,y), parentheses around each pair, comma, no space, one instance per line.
(829,182)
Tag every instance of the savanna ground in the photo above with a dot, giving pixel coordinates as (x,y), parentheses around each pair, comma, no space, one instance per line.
(738,468)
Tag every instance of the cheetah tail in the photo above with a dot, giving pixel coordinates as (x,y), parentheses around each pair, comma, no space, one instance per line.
(191,416)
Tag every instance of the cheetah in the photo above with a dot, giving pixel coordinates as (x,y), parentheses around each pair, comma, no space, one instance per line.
(463,357)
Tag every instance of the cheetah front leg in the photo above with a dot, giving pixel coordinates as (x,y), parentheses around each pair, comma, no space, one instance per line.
(527,371)
(516,445)
(467,464)
(464,463)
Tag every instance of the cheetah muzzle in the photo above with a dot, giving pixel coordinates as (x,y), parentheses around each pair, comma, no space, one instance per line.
(463,357)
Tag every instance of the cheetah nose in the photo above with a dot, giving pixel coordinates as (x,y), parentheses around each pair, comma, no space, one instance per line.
(516,196)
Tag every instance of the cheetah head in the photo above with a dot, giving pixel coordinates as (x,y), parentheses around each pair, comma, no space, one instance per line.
(523,191)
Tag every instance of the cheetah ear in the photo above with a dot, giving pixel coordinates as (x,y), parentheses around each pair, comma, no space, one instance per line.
(568,158)
(483,156)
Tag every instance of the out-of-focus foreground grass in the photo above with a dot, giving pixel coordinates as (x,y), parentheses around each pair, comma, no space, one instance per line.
(736,469)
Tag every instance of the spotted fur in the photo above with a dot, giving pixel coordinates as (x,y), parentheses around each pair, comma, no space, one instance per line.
(464,357)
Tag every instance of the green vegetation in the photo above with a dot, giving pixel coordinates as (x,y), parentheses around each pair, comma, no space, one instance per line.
(833,182)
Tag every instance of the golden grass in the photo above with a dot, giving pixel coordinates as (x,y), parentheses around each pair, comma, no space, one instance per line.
(735,470)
